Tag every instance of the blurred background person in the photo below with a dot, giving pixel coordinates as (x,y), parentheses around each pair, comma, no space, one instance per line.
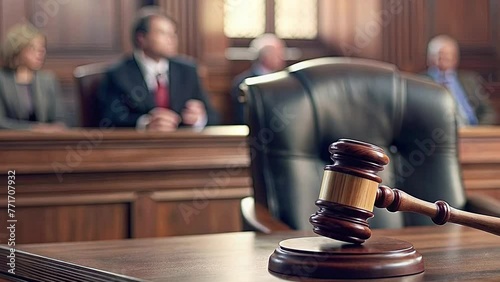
(467,88)
(29,97)
(270,51)
(152,89)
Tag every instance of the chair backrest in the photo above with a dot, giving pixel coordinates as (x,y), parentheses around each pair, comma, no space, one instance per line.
(294,115)
(88,79)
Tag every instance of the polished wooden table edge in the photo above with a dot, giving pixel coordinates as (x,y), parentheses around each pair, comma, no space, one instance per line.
(221,131)
(224,131)
(479,132)
(51,261)
(213,131)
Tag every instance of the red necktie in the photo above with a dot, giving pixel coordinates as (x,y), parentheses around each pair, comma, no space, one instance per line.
(161,94)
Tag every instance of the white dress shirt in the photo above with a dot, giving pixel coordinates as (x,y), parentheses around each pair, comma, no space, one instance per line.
(151,69)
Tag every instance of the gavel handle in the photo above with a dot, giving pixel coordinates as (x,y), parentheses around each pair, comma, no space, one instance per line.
(440,212)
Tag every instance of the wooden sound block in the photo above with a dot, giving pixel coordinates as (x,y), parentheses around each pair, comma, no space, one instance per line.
(325,258)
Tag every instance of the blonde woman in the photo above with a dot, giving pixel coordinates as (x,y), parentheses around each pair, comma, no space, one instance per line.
(29,98)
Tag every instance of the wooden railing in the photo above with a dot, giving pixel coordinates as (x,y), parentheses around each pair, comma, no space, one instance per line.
(480,159)
(95,185)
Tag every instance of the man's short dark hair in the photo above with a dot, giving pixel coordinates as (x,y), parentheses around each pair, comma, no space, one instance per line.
(142,22)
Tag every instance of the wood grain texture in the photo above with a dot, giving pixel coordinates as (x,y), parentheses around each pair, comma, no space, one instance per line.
(450,253)
(68,222)
(479,153)
(348,190)
(440,212)
(198,217)
(86,36)
(379,257)
(102,32)
(408,31)
(78,33)
(352,26)
(141,175)
(126,184)
(395,31)
(476,31)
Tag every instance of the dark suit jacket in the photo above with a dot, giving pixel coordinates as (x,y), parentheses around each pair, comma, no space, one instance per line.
(473,86)
(124,95)
(238,106)
(46,100)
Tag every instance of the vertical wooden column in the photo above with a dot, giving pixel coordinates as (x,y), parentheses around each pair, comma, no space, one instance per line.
(143,215)
(185,13)
(406,33)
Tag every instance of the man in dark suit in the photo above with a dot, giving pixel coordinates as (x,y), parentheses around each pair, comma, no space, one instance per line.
(153,90)
(270,51)
(466,87)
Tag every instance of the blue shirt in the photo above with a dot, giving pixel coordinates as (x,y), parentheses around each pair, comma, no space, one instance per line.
(449,79)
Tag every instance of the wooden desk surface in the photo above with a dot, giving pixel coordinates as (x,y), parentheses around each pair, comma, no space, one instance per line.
(450,253)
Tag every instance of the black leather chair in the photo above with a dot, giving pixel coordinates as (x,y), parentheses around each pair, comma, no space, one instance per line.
(294,115)
(88,79)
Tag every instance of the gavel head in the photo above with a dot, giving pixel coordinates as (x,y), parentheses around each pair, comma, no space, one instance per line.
(348,191)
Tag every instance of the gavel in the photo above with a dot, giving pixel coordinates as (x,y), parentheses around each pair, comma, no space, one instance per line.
(350,190)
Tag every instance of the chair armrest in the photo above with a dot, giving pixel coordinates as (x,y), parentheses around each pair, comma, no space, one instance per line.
(483,205)
(257,218)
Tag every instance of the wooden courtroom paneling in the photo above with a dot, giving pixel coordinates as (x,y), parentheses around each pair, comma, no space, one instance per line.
(126,184)
(212,46)
(448,18)
(408,32)
(354,27)
(397,31)
(405,34)
(198,216)
(86,36)
(480,160)
(78,33)
(185,13)
(48,222)
(478,35)
(85,32)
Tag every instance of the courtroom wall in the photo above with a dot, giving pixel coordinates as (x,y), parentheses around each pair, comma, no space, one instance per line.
(78,33)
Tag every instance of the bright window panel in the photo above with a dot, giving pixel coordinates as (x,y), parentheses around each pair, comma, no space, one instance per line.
(244,18)
(296,19)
